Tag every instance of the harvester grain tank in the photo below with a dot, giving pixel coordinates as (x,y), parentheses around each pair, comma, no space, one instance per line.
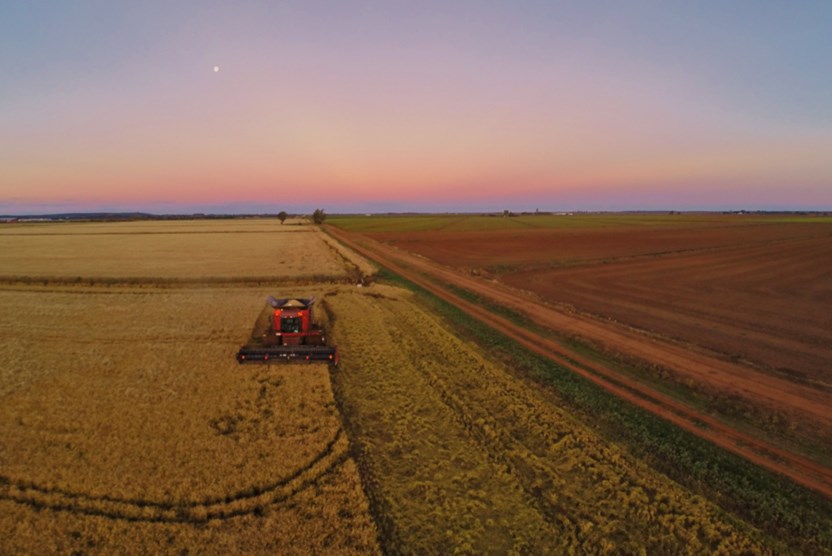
(290,334)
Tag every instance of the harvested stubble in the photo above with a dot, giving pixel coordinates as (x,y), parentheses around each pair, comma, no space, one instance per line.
(127,425)
(460,454)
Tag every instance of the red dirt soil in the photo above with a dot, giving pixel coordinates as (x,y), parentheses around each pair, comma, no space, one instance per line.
(770,303)
(806,402)
(759,292)
(547,247)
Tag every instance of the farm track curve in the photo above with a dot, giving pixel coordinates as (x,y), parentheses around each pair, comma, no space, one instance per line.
(430,276)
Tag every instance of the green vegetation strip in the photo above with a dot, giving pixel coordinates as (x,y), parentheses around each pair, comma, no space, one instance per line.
(777,506)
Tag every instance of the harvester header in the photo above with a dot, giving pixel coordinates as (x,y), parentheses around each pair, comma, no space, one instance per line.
(290,333)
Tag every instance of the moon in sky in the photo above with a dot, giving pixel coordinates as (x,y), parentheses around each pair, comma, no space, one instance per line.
(216,69)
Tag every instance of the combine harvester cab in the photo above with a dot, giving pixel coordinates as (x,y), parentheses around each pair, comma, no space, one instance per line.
(290,335)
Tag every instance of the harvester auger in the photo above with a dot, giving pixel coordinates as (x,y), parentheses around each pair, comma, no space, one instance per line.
(289,335)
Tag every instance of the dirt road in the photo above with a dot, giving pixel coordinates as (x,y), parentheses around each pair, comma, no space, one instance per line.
(733,378)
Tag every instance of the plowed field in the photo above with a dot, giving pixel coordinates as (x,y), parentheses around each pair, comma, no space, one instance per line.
(506,250)
(767,302)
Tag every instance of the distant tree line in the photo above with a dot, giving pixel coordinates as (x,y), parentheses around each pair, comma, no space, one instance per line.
(318,216)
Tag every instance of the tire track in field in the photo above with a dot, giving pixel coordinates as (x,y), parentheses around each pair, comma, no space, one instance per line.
(248,501)
(414,268)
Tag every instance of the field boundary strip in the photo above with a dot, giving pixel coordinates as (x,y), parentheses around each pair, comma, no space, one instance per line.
(251,500)
(803,471)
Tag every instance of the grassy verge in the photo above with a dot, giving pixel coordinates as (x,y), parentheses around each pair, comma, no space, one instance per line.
(787,512)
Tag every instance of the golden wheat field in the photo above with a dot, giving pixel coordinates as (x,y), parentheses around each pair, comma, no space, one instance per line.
(130,408)
(127,426)
(176,250)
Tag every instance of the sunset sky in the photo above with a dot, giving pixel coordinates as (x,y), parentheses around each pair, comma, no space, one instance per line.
(396,106)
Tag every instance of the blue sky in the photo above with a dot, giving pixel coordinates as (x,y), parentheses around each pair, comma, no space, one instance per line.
(415,106)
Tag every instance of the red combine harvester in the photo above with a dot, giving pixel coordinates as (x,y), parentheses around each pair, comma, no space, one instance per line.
(290,334)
